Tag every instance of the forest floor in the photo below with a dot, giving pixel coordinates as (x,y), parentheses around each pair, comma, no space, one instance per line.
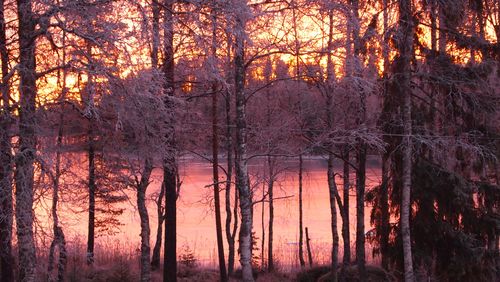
(125,272)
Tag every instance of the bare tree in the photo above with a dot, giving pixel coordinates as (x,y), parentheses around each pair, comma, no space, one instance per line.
(169,163)
(141,187)
(155,45)
(230,214)
(245,195)
(361,148)
(24,158)
(215,152)
(332,187)
(59,240)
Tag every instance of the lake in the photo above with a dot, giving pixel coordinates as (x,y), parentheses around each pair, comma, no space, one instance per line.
(196,223)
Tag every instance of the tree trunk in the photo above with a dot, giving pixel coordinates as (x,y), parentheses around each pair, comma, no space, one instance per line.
(241,146)
(155,7)
(309,254)
(170,253)
(92,191)
(155,259)
(384,210)
(332,188)
(235,230)
(270,191)
(360,147)
(6,206)
(215,157)
(230,236)
(263,224)
(333,210)
(346,234)
(384,187)
(169,163)
(297,75)
(442,40)
(143,214)
(27,141)
(92,186)
(58,240)
(301,228)
(360,211)
(405,53)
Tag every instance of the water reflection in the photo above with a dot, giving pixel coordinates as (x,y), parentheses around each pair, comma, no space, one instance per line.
(196,225)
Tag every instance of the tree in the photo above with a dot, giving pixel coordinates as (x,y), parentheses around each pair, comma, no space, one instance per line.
(332,186)
(403,70)
(59,240)
(215,152)
(361,147)
(6,205)
(245,195)
(169,163)
(230,234)
(24,158)
(141,187)
(155,9)
(141,137)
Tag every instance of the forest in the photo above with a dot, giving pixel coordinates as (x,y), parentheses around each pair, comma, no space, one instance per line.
(249,140)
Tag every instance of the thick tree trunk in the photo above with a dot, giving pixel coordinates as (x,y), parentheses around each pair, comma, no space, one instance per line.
(170,252)
(270,191)
(241,146)
(143,215)
(169,163)
(27,142)
(405,53)
(301,222)
(59,241)
(6,205)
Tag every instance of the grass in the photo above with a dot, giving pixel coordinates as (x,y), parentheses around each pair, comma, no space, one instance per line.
(118,262)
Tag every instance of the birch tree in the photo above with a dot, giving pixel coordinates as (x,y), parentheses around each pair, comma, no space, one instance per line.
(241,14)
(403,63)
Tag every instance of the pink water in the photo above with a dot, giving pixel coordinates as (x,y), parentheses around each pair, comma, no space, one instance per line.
(196,223)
